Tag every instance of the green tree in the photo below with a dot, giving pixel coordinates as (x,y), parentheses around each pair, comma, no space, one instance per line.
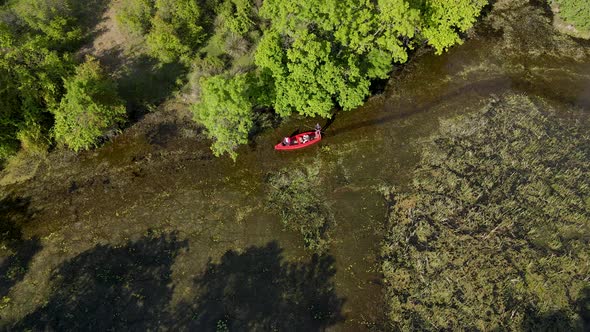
(444,20)
(226,112)
(164,43)
(316,63)
(89,108)
(136,15)
(576,12)
(10,119)
(237,15)
(175,32)
(324,55)
(53,20)
(31,77)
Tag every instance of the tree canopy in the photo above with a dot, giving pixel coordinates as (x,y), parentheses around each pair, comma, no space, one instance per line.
(226,111)
(237,15)
(304,57)
(576,12)
(31,85)
(135,15)
(55,21)
(324,56)
(89,107)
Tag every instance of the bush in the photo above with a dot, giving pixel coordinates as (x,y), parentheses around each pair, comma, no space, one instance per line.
(163,42)
(446,19)
(323,55)
(89,108)
(10,117)
(31,83)
(34,139)
(52,19)
(135,15)
(175,32)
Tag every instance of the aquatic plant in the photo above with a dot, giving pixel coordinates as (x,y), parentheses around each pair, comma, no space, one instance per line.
(494,232)
(295,194)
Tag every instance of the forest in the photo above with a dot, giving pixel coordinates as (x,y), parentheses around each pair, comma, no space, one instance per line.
(240,58)
(452,191)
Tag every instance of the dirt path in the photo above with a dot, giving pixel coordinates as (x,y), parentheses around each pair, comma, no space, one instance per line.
(113,46)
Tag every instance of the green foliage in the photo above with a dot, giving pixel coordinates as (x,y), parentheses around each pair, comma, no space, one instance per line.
(10,117)
(53,20)
(309,81)
(136,15)
(89,108)
(315,57)
(399,22)
(184,15)
(172,27)
(237,15)
(34,138)
(164,43)
(445,19)
(33,37)
(576,12)
(324,55)
(493,234)
(226,111)
(311,69)
(31,83)
(295,194)
(175,31)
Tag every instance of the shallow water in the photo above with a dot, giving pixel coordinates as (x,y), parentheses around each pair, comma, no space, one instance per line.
(157,193)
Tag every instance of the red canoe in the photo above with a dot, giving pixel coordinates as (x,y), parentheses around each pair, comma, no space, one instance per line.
(296,142)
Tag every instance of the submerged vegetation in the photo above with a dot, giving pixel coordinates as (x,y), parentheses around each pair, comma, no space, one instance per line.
(296,195)
(494,232)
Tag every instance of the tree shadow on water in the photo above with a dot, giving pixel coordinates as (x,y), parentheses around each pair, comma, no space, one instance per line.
(256,291)
(130,287)
(111,288)
(16,252)
(561,320)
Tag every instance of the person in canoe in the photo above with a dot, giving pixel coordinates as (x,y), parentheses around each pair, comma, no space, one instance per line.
(301,140)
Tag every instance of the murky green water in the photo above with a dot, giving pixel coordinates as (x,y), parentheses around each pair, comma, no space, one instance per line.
(220,255)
